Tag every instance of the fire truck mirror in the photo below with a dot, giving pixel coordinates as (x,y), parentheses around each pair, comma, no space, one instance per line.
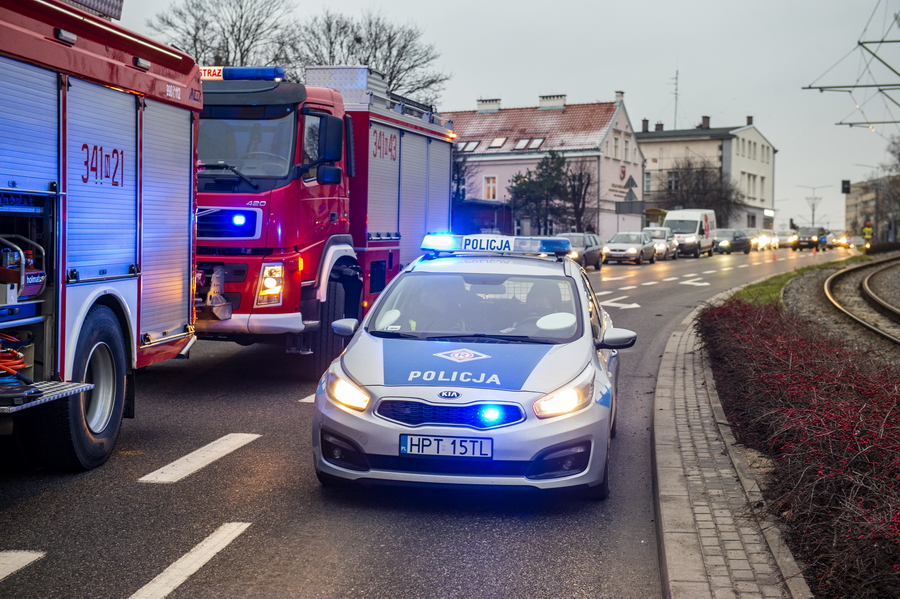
(331,139)
(328,175)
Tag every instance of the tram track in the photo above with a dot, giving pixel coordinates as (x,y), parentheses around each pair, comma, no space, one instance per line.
(868,295)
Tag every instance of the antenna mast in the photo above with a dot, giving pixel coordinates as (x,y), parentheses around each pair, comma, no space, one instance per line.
(675,125)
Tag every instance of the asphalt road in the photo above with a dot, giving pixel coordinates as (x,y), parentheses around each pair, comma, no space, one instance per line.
(256,524)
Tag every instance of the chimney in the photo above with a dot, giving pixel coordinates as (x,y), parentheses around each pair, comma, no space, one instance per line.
(705,123)
(551,102)
(620,97)
(659,126)
(489,105)
(749,120)
(645,126)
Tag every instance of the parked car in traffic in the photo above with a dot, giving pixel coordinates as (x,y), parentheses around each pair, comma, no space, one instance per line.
(630,246)
(664,241)
(785,238)
(768,240)
(754,235)
(810,238)
(732,240)
(857,242)
(586,249)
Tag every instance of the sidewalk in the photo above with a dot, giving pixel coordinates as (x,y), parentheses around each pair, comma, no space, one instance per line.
(711,545)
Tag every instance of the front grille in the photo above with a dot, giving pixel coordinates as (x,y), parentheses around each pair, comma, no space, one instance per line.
(415,413)
(457,466)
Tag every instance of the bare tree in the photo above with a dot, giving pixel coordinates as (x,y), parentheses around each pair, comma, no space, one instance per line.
(370,40)
(226,32)
(462,170)
(580,194)
(697,183)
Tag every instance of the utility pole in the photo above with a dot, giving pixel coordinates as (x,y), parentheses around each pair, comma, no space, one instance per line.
(675,125)
(814,200)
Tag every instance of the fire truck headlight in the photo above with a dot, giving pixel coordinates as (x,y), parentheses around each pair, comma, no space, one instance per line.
(271,285)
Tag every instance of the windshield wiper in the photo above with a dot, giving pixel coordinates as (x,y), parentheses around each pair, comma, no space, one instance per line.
(234,170)
(393,335)
(510,338)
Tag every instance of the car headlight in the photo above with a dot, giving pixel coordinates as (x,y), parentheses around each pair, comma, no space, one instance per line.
(724,243)
(691,238)
(605,249)
(792,239)
(567,399)
(631,251)
(573,255)
(343,391)
(660,247)
(271,284)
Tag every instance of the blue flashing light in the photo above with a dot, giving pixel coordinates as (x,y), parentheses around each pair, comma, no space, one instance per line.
(239,219)
(490,415)
(253,73)
(495,244)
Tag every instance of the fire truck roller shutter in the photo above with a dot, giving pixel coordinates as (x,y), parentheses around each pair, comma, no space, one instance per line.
(29,126)
(413,194)
(166,241)
(438,218)
(384,180)
(101,219)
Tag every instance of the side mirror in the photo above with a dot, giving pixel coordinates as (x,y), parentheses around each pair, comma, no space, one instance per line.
(616,339)
(345,327)
(328,175)
(331,139)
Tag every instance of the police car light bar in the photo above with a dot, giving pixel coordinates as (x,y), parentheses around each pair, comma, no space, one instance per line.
(495,244)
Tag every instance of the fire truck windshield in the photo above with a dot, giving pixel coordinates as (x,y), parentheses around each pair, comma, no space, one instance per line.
(258,140)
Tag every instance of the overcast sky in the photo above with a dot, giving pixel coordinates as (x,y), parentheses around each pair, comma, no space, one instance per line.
(733,59)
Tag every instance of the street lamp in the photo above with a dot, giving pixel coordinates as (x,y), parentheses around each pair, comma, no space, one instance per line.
(814,200)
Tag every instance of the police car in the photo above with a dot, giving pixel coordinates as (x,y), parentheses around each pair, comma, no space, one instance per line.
(486,362)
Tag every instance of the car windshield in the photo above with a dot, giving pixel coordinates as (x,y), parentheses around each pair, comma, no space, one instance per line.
(257,140)
(657,233)
(576,240)
(725,234)
(682,227)
(626,238)
(809,231)
(490,307)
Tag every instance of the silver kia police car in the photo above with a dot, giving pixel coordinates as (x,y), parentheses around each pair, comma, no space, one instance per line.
(486,362)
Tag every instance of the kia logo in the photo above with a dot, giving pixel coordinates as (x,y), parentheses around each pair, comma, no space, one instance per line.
(448,394)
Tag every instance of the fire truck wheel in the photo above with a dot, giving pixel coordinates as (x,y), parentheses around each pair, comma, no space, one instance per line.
(83,429)
(326,346)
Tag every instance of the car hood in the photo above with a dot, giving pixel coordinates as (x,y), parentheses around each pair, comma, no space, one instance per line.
(501,366)
(622,246)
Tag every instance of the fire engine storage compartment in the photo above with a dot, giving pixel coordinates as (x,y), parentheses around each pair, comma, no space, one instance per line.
(401,188)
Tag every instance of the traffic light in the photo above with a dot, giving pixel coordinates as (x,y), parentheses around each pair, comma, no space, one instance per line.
(845,187)
(793,226)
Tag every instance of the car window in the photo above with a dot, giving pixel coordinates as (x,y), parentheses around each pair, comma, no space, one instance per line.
(593,309)
(438,304)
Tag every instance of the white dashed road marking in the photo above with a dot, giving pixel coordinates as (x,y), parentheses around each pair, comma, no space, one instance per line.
(627,288)
(312,398)
(173,576)
(709,272)
(11,561)
(671,279)
(694,282)
(196,460)
(613,303)
(651,283)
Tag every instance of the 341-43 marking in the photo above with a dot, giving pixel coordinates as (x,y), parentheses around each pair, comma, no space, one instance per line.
(100,166)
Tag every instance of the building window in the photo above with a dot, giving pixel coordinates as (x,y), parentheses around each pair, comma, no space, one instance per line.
(673,180)
(627,150)
(536,143)
(521,144)
(751,221)
(466,146)
(646,182)
(497,142)
(616,148)
(762,189)
(490,188)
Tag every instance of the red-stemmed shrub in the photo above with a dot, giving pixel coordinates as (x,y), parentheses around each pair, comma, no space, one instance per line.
(828,416)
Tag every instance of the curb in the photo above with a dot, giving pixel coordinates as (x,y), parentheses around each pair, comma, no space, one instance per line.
(679,543)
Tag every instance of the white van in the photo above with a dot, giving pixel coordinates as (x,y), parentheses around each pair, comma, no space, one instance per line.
(694,231)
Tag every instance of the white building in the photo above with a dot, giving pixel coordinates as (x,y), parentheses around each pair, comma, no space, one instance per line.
(741,153)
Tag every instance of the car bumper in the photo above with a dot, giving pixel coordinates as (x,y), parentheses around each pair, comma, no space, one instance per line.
(520,451)
(621,257)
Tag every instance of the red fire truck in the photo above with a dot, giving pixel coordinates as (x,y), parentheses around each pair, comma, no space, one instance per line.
(313,197)
(97,183)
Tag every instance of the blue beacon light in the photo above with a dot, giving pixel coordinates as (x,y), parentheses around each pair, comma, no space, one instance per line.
(490,414)
(239,220)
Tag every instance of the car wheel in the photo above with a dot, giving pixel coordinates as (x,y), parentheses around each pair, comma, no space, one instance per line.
(675,255)
(601,491)
(697,252)
(653,257)
(640,258)
(747,251)
(597,264)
